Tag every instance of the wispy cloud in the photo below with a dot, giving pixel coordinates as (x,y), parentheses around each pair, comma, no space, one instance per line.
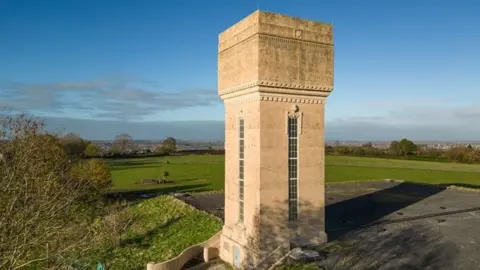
(113,98)
(406,102)
(126,100)
(416,122)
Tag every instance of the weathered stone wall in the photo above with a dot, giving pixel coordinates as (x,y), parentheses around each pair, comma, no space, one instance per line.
(295,63)
(236,233)
(273,50)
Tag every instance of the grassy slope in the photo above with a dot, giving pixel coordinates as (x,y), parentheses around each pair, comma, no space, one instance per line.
(205,172)
(163,228)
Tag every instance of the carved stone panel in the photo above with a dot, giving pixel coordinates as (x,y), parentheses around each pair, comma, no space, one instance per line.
(294,112)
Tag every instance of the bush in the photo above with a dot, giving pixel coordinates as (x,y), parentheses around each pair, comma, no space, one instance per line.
(92,150)
(95,171)
(45,222)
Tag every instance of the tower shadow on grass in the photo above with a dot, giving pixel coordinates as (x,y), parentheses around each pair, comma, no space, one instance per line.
(350,214)
(144,240)
(138,195)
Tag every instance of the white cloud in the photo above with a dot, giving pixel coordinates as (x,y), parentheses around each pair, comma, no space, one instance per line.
(114,98)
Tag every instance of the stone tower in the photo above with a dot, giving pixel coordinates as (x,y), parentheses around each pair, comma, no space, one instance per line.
(274,75)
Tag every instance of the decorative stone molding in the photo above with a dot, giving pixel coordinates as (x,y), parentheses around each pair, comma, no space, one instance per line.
(294,86)
(242,99)
(276,85)
(253,31)
(294,113)
(240,115)
(296,40)
(237,88)
(273,98)
(234,42)
(292,99)
(298,33)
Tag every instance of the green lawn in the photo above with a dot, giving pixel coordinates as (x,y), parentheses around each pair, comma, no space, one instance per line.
(206,172)
(162,228)
(341,169)
(192,172)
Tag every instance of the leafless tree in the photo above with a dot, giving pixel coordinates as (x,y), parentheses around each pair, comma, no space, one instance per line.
(124,143)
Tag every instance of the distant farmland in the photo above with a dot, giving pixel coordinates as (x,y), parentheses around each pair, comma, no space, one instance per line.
(206,172)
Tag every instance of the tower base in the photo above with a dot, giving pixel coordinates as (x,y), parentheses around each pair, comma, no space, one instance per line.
(241,257)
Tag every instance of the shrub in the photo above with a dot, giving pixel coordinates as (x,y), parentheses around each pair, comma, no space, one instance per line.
(45,222)
(93,170)
(92,150)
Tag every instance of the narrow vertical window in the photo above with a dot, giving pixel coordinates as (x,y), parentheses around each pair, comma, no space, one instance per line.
(292,168)
(241,168)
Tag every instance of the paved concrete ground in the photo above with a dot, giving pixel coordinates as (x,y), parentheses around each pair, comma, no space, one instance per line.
(390,225)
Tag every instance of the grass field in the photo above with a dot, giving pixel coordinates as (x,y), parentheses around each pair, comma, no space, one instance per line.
(162,228)
(206,172)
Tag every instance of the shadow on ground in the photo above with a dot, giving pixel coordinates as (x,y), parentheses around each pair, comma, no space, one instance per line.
(133,162)
(137,195)
(145,240)
(358,241)
(122,168)
(367,208)
(413,247)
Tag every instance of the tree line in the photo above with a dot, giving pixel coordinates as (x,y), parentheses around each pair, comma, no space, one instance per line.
(407,149)
(123,145)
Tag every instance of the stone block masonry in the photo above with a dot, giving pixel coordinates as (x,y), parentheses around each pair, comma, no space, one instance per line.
(274,75)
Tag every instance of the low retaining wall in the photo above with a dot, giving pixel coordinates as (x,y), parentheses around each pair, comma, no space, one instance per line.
(188,254)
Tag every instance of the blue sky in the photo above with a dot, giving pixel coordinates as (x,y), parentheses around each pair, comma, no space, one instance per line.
(402,68)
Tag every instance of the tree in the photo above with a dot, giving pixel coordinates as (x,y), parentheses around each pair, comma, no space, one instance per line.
(395,149)
(160,150)
(93,150)
(165,174)
(408,147)
(359,151)
(73,144)
(431,152)
(94,171)
(458,154)
(124,143)
(170,145)
(328,150)
(342,150)
(473,156)
(367,145)
(45,222)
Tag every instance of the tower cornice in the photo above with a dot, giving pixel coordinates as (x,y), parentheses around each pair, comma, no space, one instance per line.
(276,87)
